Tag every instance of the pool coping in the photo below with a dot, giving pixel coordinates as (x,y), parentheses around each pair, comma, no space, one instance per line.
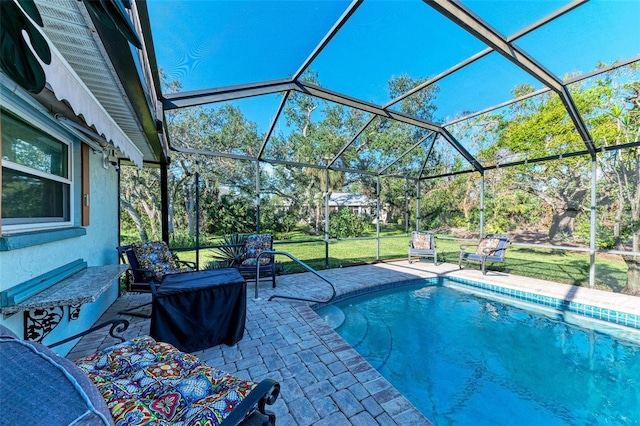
(561,305)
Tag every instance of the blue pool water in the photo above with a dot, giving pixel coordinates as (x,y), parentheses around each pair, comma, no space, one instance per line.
(465,359)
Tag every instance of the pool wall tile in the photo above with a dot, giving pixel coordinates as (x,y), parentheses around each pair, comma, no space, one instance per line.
(621,318)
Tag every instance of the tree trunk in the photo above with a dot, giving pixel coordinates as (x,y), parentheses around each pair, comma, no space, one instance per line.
(191,214)
(317,225)
(170,217)
(153,214)
(633,276)
(137,220)
(563,221)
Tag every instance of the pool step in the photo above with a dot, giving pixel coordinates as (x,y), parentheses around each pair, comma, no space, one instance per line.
(371,337)
(332,315)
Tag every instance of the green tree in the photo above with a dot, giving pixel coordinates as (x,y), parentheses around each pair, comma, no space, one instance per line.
(618,95)
(140,200)
(536,128)
(231,214)
(222,129)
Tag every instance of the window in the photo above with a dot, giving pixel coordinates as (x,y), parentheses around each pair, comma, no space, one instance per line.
(36,177)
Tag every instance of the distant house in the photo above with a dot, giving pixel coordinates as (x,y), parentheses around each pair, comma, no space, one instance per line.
(357,204)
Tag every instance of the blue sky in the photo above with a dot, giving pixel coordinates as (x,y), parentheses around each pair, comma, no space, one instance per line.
(205,44)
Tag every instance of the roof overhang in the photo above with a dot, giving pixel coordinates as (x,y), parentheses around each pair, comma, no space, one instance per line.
(94,71)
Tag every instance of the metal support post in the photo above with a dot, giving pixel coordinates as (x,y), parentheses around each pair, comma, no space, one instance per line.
(378,218)
(164,202)
(418,205)
(482,205)
(197,184)
(592,233)
(326,219)
(406,205)
(257,197)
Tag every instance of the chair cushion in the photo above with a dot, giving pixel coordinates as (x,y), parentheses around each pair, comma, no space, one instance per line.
(155,256)
(486,245)
(38,387)
(422,241)
(148,382)
(256,244)
(264,260)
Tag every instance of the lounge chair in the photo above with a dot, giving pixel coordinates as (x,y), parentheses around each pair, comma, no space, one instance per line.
(491,248)
(423,244)
(149,262)
(139,381)
(255,244)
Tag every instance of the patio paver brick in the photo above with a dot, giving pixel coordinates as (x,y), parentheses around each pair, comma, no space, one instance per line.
(303,412)
(324,406)
(348,403)
(334,419)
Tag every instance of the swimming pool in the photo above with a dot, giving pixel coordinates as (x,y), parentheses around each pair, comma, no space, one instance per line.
(462,356)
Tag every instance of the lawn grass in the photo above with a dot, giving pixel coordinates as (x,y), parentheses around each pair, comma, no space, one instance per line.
(554,265)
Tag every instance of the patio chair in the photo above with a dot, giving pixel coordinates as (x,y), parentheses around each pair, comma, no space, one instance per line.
(491,248)
(255,244)
(149,262)
(139,381)
(423,244)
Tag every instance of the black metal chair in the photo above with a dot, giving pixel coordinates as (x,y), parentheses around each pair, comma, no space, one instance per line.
(149,262)
(255,244)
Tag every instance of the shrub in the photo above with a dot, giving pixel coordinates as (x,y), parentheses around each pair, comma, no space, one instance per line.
(181,239)
(229,254)
(344,224)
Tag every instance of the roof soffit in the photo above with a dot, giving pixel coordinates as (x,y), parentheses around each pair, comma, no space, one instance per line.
(68,26)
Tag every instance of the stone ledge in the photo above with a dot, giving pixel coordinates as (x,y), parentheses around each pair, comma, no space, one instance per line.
(82,287)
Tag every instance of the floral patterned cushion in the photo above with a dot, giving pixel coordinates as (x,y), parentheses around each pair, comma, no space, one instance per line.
(421,241)
(487,245)
(155,256)
(264,260)
(253,246)
(147,382)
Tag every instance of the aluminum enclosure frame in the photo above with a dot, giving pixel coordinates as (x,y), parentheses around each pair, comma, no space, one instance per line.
(462,17)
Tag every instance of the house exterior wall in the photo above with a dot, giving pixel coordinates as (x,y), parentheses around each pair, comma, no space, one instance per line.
(95,244)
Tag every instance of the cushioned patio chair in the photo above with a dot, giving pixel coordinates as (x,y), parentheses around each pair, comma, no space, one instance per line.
(255,244)
(491,248)
(137,382)
(149,262)
(423,244)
